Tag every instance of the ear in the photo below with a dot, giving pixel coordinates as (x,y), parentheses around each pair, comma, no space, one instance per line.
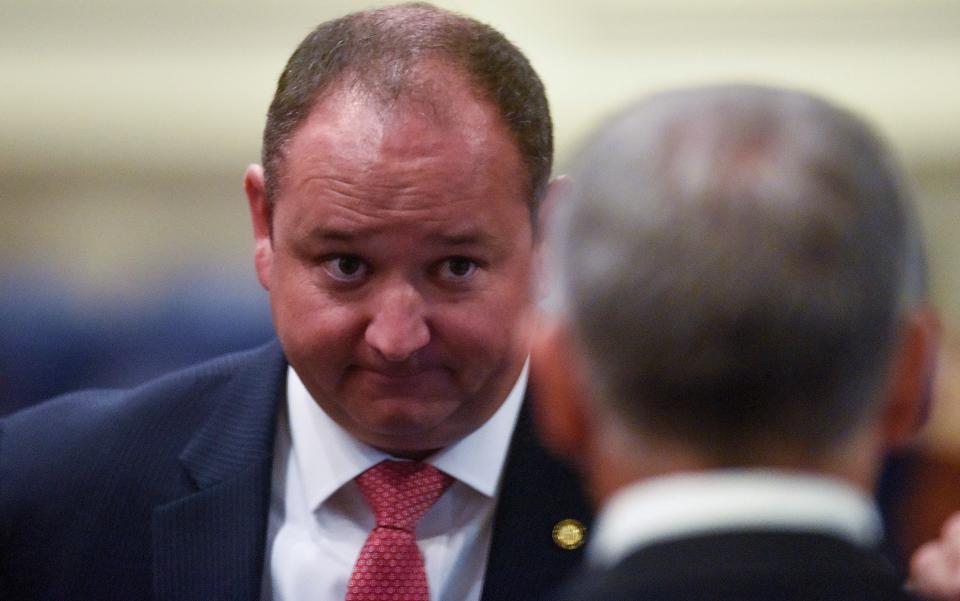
(913,369)
(559,384)
(556,191)
(261,214)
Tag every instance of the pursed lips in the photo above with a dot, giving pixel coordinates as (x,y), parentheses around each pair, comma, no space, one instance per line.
(399,373)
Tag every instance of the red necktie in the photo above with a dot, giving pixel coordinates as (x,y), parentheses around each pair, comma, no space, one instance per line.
(390,567)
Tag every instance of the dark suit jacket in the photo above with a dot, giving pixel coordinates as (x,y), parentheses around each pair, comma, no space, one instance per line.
(743,566)
(162,492)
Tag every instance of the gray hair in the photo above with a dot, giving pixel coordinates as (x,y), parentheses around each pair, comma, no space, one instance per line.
(734,261)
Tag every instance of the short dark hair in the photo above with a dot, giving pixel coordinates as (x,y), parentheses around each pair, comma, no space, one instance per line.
(376,51)
(735,261)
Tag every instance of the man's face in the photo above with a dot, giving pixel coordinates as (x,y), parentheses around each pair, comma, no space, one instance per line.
(399,265)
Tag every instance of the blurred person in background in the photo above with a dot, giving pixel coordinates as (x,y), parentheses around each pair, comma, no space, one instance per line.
(381,445)
(740,335)
(935,566)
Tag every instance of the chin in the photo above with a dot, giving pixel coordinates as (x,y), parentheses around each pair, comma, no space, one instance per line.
(407,417)
(406,425)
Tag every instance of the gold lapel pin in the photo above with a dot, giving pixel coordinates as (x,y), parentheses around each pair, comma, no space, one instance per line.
(569,534)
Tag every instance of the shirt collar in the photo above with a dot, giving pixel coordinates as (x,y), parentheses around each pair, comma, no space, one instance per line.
(684,504)
(328,456)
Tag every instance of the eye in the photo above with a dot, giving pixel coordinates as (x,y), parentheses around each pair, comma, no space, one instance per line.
(457,268)
(345,268)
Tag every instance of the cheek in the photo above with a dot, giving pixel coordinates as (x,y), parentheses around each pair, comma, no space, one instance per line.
(308,323)
(319,342)
(488,332)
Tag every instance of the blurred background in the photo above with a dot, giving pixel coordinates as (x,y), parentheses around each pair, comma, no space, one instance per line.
(125,127)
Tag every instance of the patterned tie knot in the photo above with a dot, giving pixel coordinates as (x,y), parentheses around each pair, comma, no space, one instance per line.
(400,492)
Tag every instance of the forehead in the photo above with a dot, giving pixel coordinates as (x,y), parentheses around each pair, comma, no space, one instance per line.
(436,147)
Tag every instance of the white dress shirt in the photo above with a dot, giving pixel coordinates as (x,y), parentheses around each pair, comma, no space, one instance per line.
(319,519)
(687,504)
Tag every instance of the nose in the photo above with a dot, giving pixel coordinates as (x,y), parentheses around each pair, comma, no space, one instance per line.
(398,327)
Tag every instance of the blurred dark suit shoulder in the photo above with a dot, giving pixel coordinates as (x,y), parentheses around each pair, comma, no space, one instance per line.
(760,565)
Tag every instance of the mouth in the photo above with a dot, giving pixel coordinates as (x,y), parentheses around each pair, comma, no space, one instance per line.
(394,372)
(400,378)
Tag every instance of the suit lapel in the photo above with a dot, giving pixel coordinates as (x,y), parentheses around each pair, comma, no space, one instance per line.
(209,544)
(537,492)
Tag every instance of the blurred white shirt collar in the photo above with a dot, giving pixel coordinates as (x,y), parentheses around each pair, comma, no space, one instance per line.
(682,505)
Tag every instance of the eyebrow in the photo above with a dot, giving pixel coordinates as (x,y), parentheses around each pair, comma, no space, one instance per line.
(465,238)
(323,233)
(461,238)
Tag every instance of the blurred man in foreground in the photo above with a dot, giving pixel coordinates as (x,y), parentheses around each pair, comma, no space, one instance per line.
(381,446)
(739,338)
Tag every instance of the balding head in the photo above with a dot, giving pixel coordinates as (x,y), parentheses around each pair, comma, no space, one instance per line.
(734,261)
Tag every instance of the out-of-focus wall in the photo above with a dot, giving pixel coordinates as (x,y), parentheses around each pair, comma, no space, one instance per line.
(125,125)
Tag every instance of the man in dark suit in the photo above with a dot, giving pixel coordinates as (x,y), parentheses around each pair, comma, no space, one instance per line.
(739,335)
(406,154)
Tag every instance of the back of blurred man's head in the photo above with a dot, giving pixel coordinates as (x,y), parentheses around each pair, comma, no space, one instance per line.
(735,265)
